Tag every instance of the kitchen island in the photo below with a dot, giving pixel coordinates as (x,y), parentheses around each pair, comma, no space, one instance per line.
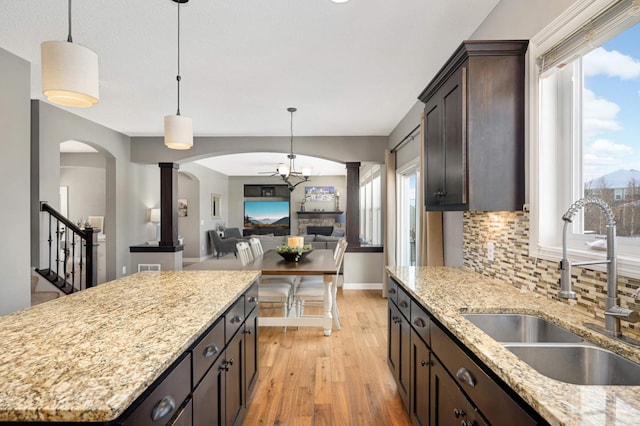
(445,293)
(89,356)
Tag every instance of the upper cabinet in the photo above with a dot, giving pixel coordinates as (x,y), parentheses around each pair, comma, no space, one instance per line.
(474,129)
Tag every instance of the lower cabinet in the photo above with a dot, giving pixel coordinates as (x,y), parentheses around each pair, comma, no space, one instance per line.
(438,382)
(211,383)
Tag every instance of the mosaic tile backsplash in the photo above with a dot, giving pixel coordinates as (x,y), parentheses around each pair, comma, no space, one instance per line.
(512,263)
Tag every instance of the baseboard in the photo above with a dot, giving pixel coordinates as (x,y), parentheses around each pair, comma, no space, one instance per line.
(196,259)
(362,286)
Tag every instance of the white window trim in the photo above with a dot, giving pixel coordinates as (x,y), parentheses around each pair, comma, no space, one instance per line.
(401,173)
(545,234)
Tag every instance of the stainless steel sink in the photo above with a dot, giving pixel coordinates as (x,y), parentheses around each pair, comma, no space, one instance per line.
(521,328)
(580,364)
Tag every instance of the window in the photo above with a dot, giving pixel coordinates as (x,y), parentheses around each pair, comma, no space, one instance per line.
(407,231)
(371,206)
(588,92)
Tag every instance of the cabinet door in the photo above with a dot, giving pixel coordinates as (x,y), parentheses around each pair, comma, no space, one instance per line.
(251,351)
(434,152)
(454,131)
(419,380)
(398,355)
(234,379)
(208,398)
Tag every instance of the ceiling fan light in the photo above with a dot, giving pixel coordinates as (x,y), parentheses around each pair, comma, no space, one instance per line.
(305,171)
(178,132)
(69,74)
(283,170)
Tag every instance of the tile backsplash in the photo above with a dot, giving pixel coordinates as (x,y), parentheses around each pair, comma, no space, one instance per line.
(509,231)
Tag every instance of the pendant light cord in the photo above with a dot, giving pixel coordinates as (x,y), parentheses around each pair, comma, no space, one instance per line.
(69,39)
(178,78)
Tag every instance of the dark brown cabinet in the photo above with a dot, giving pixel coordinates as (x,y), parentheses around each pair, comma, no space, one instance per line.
(399,350)
(268,191)
(474,129)
(438,382)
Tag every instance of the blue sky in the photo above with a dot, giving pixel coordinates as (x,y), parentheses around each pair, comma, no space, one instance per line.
(267,209)
(611,105)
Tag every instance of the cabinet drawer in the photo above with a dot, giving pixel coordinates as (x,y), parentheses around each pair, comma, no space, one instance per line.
(163,402)
(420,322)
(233,318)
(393,290)
(404,303)
(251,298)
(206,352)
(492,401)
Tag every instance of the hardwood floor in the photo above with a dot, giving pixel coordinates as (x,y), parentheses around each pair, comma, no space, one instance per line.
(309,379)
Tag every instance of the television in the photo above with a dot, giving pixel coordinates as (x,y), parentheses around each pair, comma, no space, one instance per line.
(266,214)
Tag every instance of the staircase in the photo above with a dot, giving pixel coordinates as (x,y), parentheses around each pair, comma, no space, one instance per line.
(72,253)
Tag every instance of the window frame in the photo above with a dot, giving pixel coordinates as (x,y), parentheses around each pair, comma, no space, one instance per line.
(553,166)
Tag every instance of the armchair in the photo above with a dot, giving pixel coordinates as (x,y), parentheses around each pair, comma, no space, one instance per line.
(228,245)
(233,233)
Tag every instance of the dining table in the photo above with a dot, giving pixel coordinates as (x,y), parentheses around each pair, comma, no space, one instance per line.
(317,262)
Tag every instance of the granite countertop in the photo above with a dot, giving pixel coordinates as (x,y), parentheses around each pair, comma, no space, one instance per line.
(86,357)
(448,292)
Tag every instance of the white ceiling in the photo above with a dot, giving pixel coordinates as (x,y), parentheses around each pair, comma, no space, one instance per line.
(352,69)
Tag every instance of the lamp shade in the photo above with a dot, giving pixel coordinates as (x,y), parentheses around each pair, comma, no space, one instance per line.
(178,132)
(69,74)
(283,170)
(154,215)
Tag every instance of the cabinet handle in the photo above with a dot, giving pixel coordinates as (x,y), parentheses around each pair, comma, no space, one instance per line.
(439,194)
(252,299)
(419,322)
(210,351)
(404,304)
(248,331)
(236,319)
(165,406)
(459,413)
(392,291)
(465,376)
(424,363)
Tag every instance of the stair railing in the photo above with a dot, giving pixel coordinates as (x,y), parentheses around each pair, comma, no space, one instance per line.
(72,253)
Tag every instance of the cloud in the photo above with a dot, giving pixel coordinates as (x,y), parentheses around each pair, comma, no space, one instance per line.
(604,148)
(610,63)
(599,115)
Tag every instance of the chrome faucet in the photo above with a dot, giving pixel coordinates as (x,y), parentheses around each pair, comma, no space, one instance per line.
(613,311)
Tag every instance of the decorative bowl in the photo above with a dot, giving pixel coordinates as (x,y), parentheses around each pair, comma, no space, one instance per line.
(291,254)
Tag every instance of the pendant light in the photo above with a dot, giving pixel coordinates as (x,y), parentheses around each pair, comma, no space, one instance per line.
(178,130)
(69,72)
(288,172)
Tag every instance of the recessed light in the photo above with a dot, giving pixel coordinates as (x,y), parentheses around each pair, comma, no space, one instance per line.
(339,1)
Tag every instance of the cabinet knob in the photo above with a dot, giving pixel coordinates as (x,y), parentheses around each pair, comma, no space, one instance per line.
(252,299)
(459,413)
(163,408)
(236,319)
(424,363)
(465,376)
(248,331)
(210,351)
(404,304)
(419,322)
(392,291)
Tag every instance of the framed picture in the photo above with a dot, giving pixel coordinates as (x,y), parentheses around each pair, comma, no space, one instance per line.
(319,193)
(183,209)
(216,212)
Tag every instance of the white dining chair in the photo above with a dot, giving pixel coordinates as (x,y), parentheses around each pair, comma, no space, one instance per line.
(313,291)
(319,279)
(257,250)
(272,292)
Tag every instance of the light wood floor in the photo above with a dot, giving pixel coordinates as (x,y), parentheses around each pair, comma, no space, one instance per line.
(309,379)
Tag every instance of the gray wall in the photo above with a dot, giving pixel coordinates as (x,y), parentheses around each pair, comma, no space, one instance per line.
(15,290)
(189,225)
(56,125)
(85,175)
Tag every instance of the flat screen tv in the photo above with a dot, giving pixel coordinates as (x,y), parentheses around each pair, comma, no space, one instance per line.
(266,214)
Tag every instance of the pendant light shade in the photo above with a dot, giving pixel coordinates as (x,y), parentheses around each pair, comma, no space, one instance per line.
(69,72)
(178,132)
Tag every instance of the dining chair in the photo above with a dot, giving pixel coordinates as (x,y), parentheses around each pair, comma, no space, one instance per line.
(313,292)
(268,292)
(319,279)
(257,250)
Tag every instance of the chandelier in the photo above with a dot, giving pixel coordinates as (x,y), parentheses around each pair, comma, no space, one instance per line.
(288,172)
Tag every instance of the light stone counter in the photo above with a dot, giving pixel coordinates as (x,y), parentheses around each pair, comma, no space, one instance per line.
(88,356)
(446,292)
